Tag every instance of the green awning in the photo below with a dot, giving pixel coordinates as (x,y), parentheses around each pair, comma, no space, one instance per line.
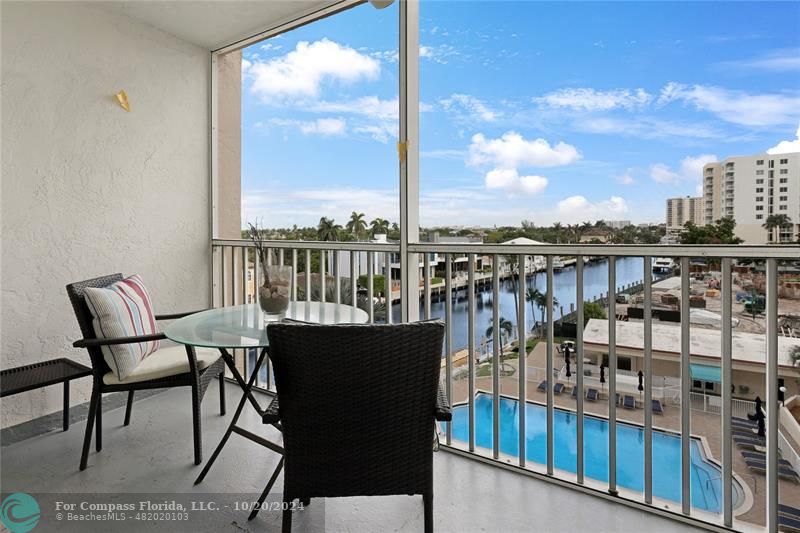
(705,373)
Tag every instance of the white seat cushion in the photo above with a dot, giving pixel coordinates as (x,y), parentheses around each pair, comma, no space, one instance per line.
(166,361)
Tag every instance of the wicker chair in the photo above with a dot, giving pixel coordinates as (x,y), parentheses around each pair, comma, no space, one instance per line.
(197,377)
(358,405)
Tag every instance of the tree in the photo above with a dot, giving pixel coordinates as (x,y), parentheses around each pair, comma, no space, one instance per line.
(592,310)
(357,226)
(774,222)
(379,226)
(328,230)
(506,327)
(539,299)
(720,232)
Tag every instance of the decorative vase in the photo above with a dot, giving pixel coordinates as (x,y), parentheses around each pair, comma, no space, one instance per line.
(274,294)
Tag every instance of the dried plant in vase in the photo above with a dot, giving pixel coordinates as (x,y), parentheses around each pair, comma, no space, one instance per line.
(275,289)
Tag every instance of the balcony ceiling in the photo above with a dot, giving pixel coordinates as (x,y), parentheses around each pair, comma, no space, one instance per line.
(214,24)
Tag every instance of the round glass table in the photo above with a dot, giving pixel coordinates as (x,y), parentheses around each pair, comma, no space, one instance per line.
(244,326)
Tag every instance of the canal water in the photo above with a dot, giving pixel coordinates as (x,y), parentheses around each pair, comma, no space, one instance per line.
(595,282)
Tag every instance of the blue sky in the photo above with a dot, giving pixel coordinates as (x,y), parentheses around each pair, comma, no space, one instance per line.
(529,110)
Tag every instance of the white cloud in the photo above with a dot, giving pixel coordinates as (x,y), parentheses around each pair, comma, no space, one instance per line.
(508,179)
(512,151)
(322,126)
(648,128)
(626,179)
(786,147)
(736,107)
(787,60)
(300,73)
(691,169)
(438,54)
(371,106)
(468,107)
(587,99)
(576,208)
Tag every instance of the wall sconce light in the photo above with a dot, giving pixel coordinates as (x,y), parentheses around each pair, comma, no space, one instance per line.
(122,98)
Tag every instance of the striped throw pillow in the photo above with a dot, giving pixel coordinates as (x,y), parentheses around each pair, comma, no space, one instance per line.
(123,309)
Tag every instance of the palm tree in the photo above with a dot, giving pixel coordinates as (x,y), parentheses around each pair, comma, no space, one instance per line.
(539,299)
(379,226)
(776,221)
(328,230)
(506,327)
(356,225)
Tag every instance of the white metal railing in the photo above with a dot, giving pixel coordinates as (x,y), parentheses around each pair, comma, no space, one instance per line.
(231,263)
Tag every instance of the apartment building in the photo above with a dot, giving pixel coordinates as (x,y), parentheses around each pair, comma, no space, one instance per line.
(683,210)
(750,189)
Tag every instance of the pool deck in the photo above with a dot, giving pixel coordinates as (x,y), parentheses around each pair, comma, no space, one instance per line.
(704,425)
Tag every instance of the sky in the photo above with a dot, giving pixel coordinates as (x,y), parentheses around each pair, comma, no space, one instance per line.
(541,111)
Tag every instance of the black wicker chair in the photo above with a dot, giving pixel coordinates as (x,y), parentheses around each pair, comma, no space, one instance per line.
(358,405)
(197,378)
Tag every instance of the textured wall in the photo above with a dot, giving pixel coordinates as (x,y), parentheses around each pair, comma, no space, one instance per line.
(89,189)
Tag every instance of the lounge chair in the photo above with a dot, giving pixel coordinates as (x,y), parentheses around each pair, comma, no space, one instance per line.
(592,395)
(761,456)
(629,402)
(783,472)
(744,432)
(575,392)
(743,421)
(657,407)
(789,511)
(788,523)
(542,386)
(749,444)
(617,398)
(558,388)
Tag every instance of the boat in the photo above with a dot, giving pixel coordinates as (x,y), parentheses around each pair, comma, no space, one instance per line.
(663,265)
(558,263)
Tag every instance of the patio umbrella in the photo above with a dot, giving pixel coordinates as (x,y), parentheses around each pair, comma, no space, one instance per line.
(602,375)
(641,384)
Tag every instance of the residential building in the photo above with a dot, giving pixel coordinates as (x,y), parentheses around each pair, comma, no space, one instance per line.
(682,210)
(617,224)
(750,189)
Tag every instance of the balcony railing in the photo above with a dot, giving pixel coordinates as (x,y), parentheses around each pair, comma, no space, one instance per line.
(487,385)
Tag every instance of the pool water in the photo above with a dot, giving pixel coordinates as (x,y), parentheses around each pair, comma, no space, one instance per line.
(706,487)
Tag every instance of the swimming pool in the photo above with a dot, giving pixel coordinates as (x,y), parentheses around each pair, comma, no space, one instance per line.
(706,486)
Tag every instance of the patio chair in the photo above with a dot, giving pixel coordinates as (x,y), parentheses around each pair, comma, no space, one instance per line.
(574,392)
(761,456)
(629,402)
(558,388)
(172,366)
(657,407)
(542,386)
(783,472)
(354,422)
(789,524)
(592,395)
(789,511)
(743,421)
(748,443)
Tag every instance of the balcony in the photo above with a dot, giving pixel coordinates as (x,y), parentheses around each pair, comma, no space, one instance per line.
(119,159)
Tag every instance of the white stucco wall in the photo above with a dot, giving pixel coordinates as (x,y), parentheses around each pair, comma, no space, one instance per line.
(89,189)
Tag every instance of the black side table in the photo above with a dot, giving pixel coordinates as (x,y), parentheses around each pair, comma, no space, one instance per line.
(36,375)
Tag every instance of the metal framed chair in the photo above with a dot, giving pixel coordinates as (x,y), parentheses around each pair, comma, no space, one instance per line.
(200,371)
(358,410)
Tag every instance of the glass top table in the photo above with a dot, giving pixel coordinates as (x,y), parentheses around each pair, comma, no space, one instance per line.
(243,326)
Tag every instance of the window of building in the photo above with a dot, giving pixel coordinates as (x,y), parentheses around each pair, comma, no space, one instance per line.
(784,198)
(760,180)
(771,163)
(759,208)
(759,189)
(784,171)
(759,198)
(759,217)
(782,208)
(760,162)
(784,161)
(759,172)
(784,189)
(784,180)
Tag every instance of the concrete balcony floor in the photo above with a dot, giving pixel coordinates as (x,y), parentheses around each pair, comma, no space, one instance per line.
(154,456)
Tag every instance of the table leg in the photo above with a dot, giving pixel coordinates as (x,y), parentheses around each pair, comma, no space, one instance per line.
(66,405)
(247,387)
